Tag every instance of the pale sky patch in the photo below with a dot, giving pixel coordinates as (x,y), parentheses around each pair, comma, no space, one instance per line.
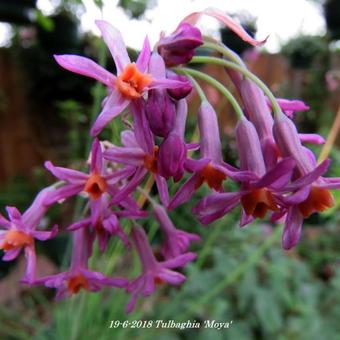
(281,20)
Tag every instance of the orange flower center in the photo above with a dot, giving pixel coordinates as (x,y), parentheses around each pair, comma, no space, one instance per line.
(95,186)
(131,82)
(16,239)
(99,228)
(76,283)
(258,202)
(213,177)
(150,161)
(318,200)
(158,281)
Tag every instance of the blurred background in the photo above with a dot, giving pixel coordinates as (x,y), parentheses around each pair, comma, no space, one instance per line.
(241,275)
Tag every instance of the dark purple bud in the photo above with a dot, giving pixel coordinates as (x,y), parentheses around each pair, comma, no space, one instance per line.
(161,112)
(179,47)
(171,157)
(182,92)
(172,152)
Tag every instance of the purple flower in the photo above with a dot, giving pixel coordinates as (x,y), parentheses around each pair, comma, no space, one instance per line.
(258,113)
(106,221)
(179,47)
(21,230)
(95,184)
(153,272)
(257,196)
(210,168)
(132,79)
(310,191)
(79,276)
(176,242)
(141,152)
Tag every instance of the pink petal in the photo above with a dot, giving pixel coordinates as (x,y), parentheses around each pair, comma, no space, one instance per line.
(292,230)
(79,224)
(144,56)
(4,222)
(179,261)
(130,187)
(172,277)
(184,193)
(115,43)
(114,105)
(31,264)
(45,235)
(11,254)
(128,139)
(162,189)
(124,155)
(96,157)
(64,192)
(311,138)
(225,19)
(64,174)
(85,67)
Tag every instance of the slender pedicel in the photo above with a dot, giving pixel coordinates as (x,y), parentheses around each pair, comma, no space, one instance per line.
(245,72)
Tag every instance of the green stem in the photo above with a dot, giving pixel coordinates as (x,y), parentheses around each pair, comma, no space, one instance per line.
(245,72)
(197,87)
(216,84)
(225,51)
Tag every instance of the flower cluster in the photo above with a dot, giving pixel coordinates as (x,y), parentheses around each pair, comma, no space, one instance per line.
(278,176)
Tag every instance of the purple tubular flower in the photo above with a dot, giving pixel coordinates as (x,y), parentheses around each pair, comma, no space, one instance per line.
(131,81)
(21,230)
(141,153)
(97,182)
(256,196)
(309,189)
(160,108)
(173,150)
(180,92)
(106,223)
(289,106)
(210,168)
(259,114)
(79,276)
(154,272)
(176,241)
(179,47)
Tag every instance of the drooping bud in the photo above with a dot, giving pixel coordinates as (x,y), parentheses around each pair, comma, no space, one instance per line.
(172,152)
(160,108)
(181,92)
(161,112)
(210,142)
(249,148)
(179,47)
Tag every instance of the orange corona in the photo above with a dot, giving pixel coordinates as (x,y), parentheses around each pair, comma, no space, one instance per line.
(213,177)
(95,186)
(258,202)
(16,239)
(131,82)
(150,162)
(318,200)
(76,283)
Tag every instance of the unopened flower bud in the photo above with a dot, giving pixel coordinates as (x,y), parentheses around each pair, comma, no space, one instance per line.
(181,92)
(179,47)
